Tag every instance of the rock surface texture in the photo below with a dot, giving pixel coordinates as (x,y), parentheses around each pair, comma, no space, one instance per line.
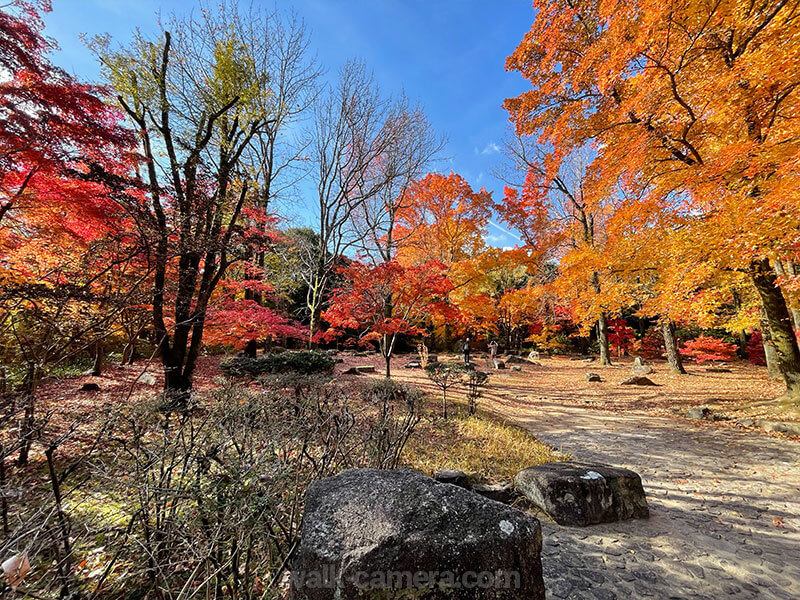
(582,494)
(398,534)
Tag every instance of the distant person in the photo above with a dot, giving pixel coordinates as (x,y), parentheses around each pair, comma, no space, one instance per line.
(493,349)
(465,348)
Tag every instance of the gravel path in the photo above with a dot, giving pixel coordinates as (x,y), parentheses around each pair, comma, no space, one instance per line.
(724,506)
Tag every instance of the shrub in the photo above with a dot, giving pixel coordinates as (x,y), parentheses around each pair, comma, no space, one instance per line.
(445,375)
(304,362)
(651,346)
(396,410)
(475,384)
(755,349)
(706,348)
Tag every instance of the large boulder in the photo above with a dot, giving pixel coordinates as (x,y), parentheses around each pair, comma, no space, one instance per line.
(398,534)
(573,493)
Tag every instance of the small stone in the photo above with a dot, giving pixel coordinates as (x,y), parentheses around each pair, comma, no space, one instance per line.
(593,378)
(699,412)
(360,370)
(413,365)
(637,380)
(499,492)
(516,368)
(146,379)
(499,364)
(452,476)
(89,387)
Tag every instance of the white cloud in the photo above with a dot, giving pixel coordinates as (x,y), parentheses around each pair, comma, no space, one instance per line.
(491,148)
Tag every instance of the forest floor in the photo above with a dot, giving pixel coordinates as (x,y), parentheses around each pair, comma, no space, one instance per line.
(724,499)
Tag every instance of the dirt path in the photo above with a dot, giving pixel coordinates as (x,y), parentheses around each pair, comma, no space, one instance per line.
(725,510)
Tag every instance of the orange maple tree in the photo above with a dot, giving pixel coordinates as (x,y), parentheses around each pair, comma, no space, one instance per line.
(691,107)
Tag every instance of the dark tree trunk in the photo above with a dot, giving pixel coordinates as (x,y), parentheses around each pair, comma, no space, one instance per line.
(780,326)
(97,368)
(671,344)
(602,338)
(27,429)
(771,357)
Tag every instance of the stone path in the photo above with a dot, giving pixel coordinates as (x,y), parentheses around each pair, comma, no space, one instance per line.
(724,505)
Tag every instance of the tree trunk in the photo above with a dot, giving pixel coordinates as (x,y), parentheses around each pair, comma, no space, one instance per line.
(771,357)
(794,313)
(602,338)
(97,369)
(780,326)
(388,358)
(177,388)
(671,344)
(27,429)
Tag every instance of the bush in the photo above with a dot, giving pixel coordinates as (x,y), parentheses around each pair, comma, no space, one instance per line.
(206,503)
(708,348)
(304,362)
(445,375)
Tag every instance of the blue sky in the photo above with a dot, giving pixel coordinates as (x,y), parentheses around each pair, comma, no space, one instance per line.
(447,54)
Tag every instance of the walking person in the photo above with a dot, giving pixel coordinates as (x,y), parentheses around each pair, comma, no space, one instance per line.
(465,348)
(493,350)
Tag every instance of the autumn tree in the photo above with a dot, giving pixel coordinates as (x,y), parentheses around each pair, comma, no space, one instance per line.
(559,218)
(691,103)
(54,132)
(202,96)
(366,148)
(418,292)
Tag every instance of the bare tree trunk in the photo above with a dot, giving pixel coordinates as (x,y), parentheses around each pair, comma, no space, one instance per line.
(671,344)
(602,338)
(780,326)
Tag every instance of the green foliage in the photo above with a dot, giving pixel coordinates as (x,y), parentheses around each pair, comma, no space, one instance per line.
(306,362)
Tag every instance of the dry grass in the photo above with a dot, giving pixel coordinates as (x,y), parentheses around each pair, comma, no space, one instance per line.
(478,445)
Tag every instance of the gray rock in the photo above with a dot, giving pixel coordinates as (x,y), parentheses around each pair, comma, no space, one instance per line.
(516,368)
(640,367)
(452,476)
(699,412)
(89,387)
(779,427)
(499,364)
(499,492)
(433,358)
(533,356)
(718,370)
(513,359)
(637,380)
(413,365)
(399,535)
(593,377)
(746,422)
(146,379)
(582,494)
